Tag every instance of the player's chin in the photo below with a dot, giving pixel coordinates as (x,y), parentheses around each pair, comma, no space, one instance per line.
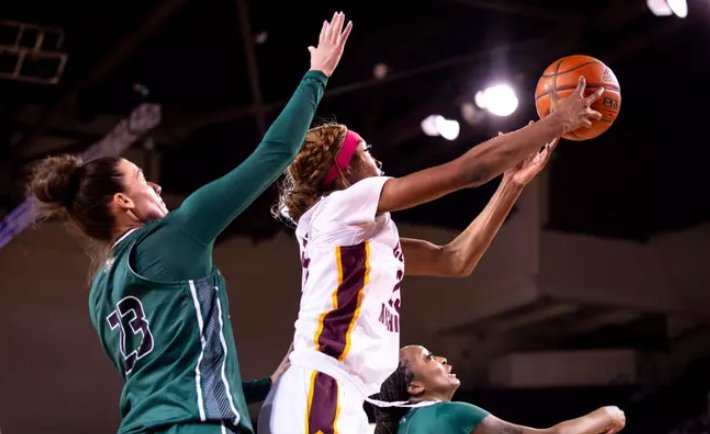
(454,380)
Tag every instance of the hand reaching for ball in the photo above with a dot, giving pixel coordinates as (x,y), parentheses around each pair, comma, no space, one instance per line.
(574,111)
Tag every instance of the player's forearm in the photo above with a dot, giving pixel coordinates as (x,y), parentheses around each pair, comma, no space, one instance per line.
(205,213)
(490,159)
(256,390)
(465,251)
(289,130)
(593,423)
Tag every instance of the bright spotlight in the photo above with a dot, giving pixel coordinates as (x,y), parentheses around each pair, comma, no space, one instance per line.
(429,125)
(480,99)
(664,8)
(679,7)
(448,129)
(500,100)
(437,125)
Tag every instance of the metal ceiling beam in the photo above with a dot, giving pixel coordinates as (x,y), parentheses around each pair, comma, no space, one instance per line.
(522,8)
(184,124)
(124,49)
(252,68)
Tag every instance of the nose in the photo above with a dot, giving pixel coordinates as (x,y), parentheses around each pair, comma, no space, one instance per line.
(158,189)
(442,360)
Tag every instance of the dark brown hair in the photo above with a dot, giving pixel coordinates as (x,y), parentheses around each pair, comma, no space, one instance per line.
(81,192)
(303,184)
(394,388)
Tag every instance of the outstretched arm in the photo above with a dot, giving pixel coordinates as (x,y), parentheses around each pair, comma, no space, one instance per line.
(459,257)
(205,213)
(488,160)
(606,420)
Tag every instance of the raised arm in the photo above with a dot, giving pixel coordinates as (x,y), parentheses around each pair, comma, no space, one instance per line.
(459,257)
(606,420)
(206,212)
(488,160)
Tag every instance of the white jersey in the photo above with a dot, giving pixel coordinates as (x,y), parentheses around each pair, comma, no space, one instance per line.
(352,268)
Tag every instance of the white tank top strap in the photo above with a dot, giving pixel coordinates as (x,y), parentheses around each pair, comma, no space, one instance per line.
(317,361)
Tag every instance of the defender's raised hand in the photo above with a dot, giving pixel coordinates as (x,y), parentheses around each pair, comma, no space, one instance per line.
(326,56)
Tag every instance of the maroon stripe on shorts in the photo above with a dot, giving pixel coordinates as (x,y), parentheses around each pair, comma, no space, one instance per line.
(324,405)
(353,265)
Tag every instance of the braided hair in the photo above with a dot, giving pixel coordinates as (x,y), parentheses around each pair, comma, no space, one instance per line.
(394,388)
(303,184)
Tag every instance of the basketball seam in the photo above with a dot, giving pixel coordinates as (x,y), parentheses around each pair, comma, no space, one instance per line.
(577,136)
(589,86)
(557,70)
(570,70)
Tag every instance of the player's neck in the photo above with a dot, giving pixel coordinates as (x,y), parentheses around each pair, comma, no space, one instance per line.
(433,397)
(120,230)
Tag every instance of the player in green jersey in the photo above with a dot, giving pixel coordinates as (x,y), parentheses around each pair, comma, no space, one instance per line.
(157,302)
(428,380)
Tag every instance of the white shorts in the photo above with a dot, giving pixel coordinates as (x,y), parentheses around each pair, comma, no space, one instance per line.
(309,401)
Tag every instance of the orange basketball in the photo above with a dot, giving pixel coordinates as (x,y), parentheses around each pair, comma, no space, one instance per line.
(563,76)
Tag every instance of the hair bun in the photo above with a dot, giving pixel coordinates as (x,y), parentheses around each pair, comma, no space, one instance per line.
(55,181)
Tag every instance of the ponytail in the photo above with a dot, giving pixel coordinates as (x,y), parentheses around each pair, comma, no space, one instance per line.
(394,388)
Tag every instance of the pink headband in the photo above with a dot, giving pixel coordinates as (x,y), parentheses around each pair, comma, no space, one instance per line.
(345,155)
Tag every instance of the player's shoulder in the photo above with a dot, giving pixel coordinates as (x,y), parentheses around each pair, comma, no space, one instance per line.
(460,417)
(463,416)
(456,407)
(355,197)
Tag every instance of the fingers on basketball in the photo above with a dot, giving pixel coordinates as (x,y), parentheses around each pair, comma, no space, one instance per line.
(599,88)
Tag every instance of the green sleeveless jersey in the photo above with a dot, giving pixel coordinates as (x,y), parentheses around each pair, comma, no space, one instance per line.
(442,418)
(172,343)
(169,336)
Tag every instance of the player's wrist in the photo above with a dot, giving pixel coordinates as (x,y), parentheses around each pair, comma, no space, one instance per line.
(512,185)
(555,125)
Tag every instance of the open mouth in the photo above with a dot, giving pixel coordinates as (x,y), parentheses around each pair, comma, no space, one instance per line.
(451,372)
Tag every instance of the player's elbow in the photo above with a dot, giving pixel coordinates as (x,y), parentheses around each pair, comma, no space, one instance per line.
(453,265)
(461,270)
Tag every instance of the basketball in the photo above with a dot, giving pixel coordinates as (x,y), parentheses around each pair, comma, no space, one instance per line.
(563,76)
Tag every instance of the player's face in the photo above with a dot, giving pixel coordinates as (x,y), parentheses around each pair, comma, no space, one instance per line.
(142,198)
(367,166)
(433,376)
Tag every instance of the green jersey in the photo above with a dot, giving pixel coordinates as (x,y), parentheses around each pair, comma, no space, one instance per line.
(442,418)
(160,307)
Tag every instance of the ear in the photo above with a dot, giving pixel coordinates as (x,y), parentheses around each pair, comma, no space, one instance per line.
(415,388)
(122,201)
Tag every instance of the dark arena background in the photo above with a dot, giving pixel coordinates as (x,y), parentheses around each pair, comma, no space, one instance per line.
(595,292)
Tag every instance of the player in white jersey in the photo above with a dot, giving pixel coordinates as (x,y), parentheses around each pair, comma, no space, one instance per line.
(347,333)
